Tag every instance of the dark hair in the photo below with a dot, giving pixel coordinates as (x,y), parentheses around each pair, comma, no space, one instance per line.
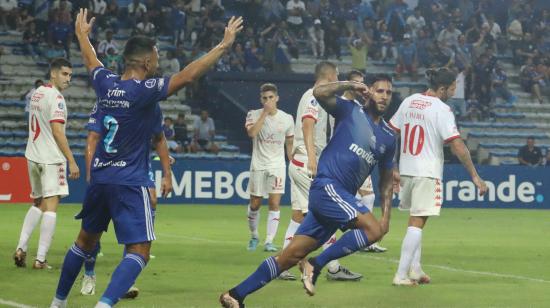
(168,118)
(268,87)
(57,63)
(372,79)
(354,73)
(322,67)
(181,115)
(440,77)
(531,138)
(38,81)
(137,46)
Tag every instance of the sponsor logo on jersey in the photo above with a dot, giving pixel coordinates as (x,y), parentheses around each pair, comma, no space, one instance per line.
(161,84)
(150,83)
(368,156)
(115,93)
(111,163)
(418,104)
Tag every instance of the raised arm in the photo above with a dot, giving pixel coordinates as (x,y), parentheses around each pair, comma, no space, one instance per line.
(326,94)
(82,29)
(253,130)
(199,67)
(161,146)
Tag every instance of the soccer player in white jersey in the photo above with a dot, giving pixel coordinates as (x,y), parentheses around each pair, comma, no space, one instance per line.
(425,124)
(310,138)
(271,131)
(47,154)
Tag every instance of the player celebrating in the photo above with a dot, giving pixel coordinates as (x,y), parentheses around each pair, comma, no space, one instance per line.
(159,141)
(365,194)
(47,154)
(361,141)
(425,124)
(119,176)
(271,131)
(310,140)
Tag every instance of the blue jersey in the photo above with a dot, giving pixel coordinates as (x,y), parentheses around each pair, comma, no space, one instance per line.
(127,115)
(357,145)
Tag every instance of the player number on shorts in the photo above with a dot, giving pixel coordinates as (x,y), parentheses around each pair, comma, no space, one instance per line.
(111,125)
(413,143)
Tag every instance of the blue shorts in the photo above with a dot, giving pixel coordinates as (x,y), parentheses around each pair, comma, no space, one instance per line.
(128,206)
(331,207)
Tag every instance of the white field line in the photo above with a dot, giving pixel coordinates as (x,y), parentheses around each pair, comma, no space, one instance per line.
(13,304)
(441,267)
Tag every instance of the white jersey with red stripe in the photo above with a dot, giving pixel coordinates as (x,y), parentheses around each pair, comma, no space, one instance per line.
(310,108)
(268,147)
(47,105)
(425,124)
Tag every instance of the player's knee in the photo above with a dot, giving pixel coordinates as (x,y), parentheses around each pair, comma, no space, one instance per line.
(87,241)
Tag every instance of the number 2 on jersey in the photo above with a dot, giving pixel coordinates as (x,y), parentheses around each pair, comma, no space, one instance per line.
(410,138)
(111,125)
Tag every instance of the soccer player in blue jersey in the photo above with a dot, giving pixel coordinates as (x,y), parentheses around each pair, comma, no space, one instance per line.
(119,177)
(95,129)
(361,141)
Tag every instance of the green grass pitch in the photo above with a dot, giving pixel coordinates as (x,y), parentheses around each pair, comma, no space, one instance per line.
(476,258)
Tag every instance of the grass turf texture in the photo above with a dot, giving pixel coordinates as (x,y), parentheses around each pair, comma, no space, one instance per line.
(476,258)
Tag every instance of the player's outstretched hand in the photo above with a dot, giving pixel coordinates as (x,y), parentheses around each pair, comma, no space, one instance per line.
(480,184)
(166,186)
(234,26)
(81,26)
(74,171)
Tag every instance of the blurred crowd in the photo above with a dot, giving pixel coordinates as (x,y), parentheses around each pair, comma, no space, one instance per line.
(466,35)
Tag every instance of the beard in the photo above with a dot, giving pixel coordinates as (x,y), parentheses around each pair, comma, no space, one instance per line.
(372,107)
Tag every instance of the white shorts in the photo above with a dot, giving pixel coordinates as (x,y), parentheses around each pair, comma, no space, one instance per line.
(265,182)
(299,185)
(48,180)
(367,186)
(422,196)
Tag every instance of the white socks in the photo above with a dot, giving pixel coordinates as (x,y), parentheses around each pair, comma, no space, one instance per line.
(411,243)
(102,305)
(31,220)
(415,264)
(273,219)
(333,265)
(47,229)
(368,201)
(292,227)
(253,219)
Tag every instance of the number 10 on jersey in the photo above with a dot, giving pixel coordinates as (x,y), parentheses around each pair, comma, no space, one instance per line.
(413,141)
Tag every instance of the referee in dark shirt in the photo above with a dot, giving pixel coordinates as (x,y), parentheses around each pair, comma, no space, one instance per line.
(529,154)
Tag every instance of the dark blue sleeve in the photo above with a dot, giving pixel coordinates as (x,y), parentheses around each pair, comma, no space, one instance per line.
(94,122)
(388,158)
(343,108)
(157,126)
(153,90)
(100,80)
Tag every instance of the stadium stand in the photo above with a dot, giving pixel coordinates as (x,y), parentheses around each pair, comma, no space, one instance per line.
(494,127)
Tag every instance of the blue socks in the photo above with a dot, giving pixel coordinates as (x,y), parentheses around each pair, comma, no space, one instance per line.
(349,243)
(267,271)
(71,267)
(89,263)
(123,277)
